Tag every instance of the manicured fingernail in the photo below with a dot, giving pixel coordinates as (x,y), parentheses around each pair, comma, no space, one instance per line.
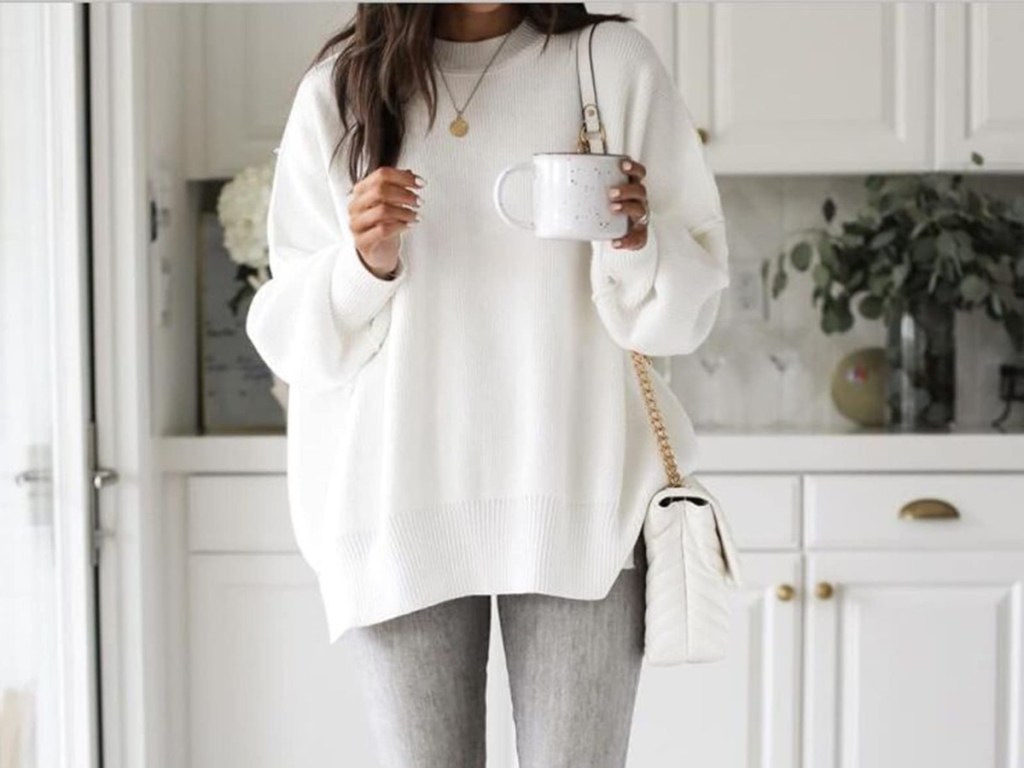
(416,217)
(418,180)
(616,206)
(616,243)
(626,165)
(614,192)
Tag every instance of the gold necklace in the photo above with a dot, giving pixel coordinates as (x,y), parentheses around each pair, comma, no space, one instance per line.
(459,127)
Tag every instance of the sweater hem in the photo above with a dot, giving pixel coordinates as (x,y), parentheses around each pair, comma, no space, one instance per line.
(490,546)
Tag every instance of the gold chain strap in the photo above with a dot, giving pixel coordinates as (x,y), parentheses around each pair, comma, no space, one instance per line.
(668,458)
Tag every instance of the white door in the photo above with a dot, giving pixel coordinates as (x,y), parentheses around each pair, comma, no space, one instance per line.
(48,712)
(914,659)
(979,97)
(743,711)
(808,87)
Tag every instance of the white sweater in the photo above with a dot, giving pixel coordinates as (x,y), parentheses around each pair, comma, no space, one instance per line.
(475,426)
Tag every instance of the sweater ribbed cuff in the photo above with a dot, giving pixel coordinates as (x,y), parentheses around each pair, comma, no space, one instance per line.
(356,292)
(629,272)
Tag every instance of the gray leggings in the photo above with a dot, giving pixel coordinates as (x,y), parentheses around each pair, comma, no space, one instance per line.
(573,666)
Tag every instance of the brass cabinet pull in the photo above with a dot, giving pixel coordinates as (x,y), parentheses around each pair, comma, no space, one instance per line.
(704,135)
(824,590)
(929,509)
(785,592)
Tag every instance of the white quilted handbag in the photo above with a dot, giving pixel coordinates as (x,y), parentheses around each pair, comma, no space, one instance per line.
(692,562)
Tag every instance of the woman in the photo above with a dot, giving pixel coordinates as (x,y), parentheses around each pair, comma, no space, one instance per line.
(464,419)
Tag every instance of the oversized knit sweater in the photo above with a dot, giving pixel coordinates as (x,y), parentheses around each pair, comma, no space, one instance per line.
(474,425)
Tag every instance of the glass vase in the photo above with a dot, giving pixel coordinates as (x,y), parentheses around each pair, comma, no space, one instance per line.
(921,357)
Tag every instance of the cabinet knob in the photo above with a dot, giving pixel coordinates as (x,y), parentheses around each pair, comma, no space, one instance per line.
(929,509)
(785,592)
(704,135)
(824,591)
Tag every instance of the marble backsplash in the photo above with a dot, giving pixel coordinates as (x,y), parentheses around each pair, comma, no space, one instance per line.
(747,391)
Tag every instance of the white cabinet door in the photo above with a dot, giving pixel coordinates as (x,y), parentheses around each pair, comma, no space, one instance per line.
(808,87)
(743,711)
(914,660)
(265,688)
(978,90)
(243,62)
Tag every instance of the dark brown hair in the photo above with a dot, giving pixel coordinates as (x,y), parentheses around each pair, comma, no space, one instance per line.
(386,60)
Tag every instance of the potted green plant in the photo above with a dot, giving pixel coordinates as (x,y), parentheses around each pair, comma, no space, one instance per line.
(921,248)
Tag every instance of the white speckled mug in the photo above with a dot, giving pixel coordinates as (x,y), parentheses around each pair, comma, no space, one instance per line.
(570,196)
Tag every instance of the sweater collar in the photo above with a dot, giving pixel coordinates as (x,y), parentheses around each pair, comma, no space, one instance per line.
(460,56)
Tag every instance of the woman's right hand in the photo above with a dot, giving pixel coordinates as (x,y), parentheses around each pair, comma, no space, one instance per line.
(377,215)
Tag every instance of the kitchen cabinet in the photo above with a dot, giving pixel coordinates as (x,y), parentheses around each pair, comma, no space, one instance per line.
(264,687)
(915,610)
(914,659)
(807,87)
(776,88)
(860,636)
(979,100)
(242,62)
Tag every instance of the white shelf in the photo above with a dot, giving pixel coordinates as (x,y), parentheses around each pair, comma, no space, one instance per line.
(222,454)
(718,452)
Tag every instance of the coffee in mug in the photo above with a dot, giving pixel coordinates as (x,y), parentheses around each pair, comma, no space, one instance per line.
(570,196)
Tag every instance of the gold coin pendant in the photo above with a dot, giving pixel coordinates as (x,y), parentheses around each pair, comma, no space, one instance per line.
(458,126)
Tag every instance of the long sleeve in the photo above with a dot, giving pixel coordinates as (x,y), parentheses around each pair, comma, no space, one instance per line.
(663,298)
(323,314)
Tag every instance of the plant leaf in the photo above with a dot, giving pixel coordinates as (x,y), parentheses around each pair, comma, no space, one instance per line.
(844,317)
(879,283)
(827,253)
(800,256)
(945,245)
(874,182)
(828,209)
(779,283)
(973,288)
(871,307)
(883,238)
(821,276)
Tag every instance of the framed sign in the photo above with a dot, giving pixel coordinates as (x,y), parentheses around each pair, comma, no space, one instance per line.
(235,384)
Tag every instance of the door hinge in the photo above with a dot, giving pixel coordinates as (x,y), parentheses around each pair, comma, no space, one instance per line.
(101,477)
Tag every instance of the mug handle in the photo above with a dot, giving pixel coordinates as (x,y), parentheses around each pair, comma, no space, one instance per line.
(498,189)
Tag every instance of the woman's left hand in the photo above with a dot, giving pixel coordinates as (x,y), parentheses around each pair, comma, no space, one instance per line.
(631,199)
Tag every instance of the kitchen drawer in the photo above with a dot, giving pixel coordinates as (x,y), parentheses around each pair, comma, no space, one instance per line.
(763,509)
(853,511)
(239,513)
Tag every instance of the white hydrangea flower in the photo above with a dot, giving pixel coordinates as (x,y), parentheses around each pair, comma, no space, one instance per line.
(242,210)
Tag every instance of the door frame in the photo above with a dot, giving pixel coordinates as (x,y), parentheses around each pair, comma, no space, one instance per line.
(130,616)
